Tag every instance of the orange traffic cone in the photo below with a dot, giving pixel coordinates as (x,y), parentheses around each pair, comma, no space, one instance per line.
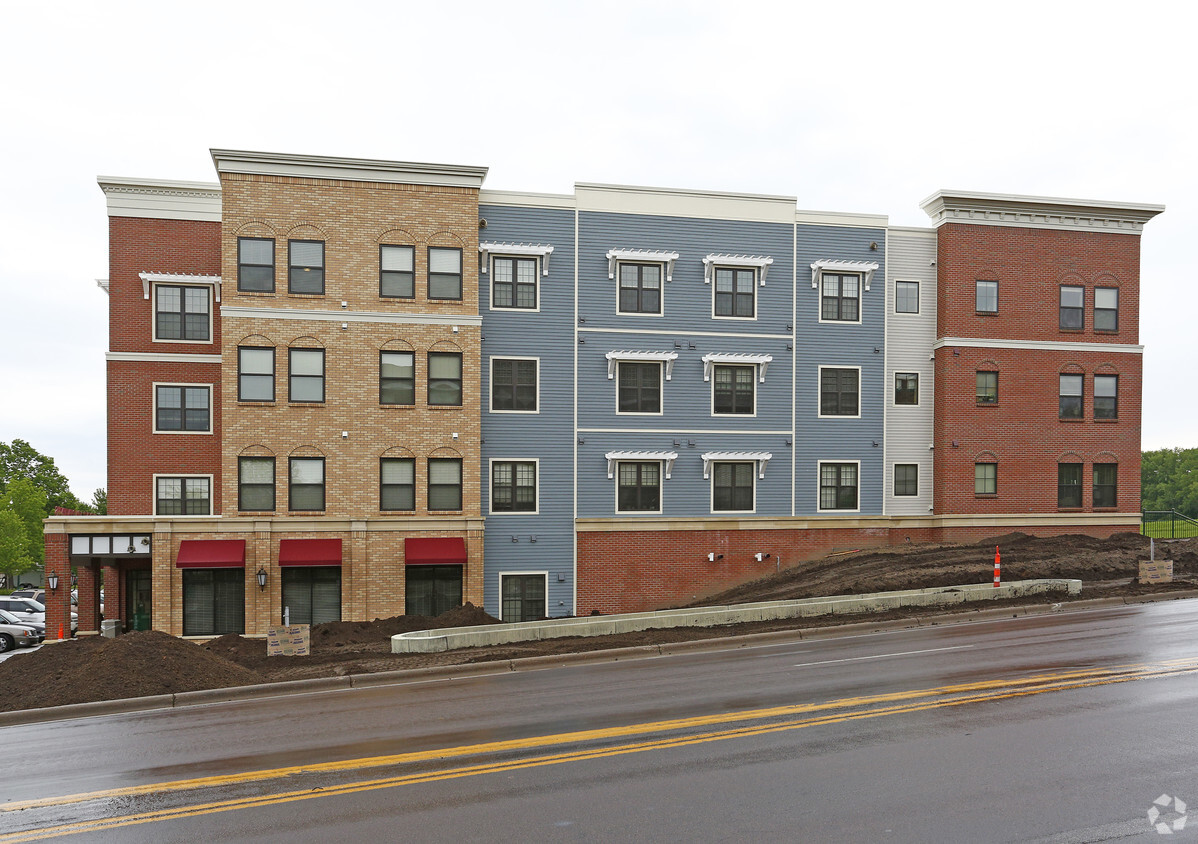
(997,567)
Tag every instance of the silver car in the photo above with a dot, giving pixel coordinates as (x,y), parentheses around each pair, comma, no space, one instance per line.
(12,635)
(39,629)
(28,609)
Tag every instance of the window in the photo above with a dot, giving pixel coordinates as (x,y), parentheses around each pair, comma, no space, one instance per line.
(1071,396)
(256,264)
(1073,308)
(256,483)
(445,379)
(640,289)
(840,297)
(183,496)
(444,273)
(444,483)
(987,387)
(312,594)
(397,483)
(213,601)
(181,408)
(397,378)
(906,388)
(735,292)
(514,385)
(306,490)
(986,297)
(638,488)
(513,486)
(906,479)
(1106,396)
(255,373)
(838,486)
(305,272)
(514,283)
(1069,485)
(1105,478)
(306,383)
(733,389)
(639,388)
(522,596)
(182,313)
(839,392)
(906,297)
(732,487)
(1106,308)
(432,590)
(397,272)
(985,479)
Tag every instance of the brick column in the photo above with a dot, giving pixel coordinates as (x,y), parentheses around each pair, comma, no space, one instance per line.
(89,597)
(114,594)
(58,601)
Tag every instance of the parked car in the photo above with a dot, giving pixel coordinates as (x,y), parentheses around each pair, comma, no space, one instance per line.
(13,635)
(39,629)
(28,609)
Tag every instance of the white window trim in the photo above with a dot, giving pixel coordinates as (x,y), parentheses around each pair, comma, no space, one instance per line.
(818,471)
(893,386)
(759,262)
(491,486)
(819,389)
(665,457)
(211,494)
(491,385)
(541,573)
(150,282)
(865,268)
(711,490)
(918,297)
(515,250)
(614,357)
(893,493)
(154,410)
(536,309)
(640,256)
(762,362)
(761,458)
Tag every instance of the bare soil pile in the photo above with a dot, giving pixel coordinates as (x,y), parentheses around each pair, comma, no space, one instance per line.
(152,663)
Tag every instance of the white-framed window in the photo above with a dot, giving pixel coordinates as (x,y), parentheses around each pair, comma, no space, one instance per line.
(841,286)
(734,280)
(985,296)
(906,297)
(516,270)
(640,279)
(840,391)
(182,408)
(522,595)
(515,385)
(639,377)
(183,495)
(733,476)
(514,486)
(839,483)
(182,313)
(639,476)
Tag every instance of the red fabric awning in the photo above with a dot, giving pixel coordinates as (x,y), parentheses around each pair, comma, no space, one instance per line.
(309,552)
(211,554)
(435,551)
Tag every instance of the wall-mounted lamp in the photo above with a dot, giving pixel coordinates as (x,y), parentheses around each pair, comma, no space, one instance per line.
(131,548)
(145,540)
(344,304)
(515,539)
(877,350)
(532,537)
(873,246)
(261,575)
(344,326)
(712,557)
(52,580)
(761,557)
(875,442)
(345,435)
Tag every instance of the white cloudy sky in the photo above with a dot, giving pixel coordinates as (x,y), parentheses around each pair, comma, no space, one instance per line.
(867,107)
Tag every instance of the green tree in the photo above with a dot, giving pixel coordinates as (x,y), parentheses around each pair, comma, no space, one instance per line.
(19,459)
(1169,478)
(22,508)
(100,502)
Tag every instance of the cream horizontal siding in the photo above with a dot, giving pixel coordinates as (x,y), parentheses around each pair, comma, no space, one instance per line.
(911,256)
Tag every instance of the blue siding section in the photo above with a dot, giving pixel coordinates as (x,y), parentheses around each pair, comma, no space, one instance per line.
(548,435)
(839,344)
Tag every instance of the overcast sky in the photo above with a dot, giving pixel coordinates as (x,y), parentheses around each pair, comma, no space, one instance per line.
(867,107)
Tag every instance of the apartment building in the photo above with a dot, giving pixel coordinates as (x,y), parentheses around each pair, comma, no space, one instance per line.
(347,389)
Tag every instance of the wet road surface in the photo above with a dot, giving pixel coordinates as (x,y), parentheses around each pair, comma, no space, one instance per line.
(1063,727)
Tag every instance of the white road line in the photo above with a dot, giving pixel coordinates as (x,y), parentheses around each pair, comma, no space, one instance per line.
(883,656)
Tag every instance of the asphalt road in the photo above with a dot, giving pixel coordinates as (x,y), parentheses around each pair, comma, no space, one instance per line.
(1063,727)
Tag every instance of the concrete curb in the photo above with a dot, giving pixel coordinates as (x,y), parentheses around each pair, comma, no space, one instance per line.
(462,671)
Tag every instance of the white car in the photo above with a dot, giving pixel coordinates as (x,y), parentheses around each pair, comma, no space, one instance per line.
(28,609)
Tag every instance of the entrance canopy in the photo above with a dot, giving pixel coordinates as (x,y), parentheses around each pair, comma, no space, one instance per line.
(435,551)
(211,554)
(309,552)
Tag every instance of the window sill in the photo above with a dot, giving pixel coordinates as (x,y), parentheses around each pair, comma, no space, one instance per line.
(1105,421)
(1071,419)
(985,495)
(986,313)
(396,406)
(295,295)
(305,512)
(241,292)
(439,406)
(1105,509)
(1070,509)
(245,403)
(987,404)
(305,404)
(1071,330)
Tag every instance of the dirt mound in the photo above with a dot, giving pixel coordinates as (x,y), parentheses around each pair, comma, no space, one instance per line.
(134,665)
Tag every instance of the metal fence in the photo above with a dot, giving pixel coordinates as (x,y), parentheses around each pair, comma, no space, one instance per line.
(1167,524)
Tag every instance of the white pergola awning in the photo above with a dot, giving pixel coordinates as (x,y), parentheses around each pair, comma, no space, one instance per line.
(865,268)
(762,362)
(641,256)
(666,457)
(667,358)
(178,278)
(542,251)
(759,262)
(761,458)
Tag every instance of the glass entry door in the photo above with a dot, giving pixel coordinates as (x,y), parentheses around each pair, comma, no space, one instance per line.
(137,599)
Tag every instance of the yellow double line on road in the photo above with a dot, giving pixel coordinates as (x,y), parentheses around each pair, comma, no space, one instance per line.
(778,719)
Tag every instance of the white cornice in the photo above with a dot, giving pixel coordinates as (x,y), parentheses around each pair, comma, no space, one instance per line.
(669,202)
(235,311)
(528,200)
(1038,212)
(350,169)
(839,218)
(158,357)
(161,199)
(1040,346)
